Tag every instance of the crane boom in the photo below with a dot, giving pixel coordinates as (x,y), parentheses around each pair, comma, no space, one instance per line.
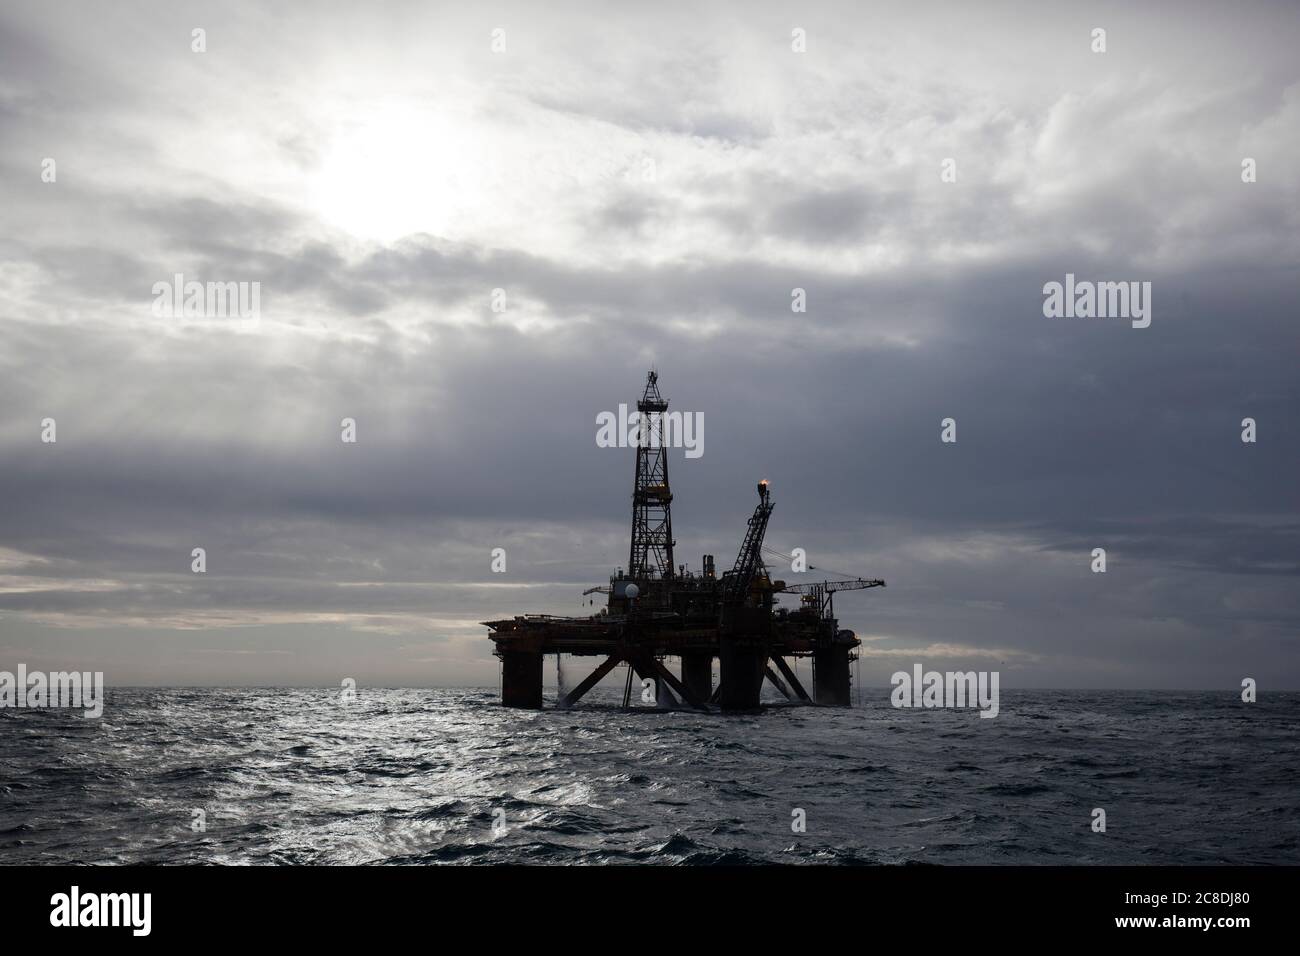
(830,587)
(822,593)
(736,583)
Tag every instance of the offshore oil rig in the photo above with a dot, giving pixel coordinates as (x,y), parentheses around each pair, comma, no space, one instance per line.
(657,609)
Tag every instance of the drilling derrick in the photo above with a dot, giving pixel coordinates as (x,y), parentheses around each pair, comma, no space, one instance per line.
(651,555)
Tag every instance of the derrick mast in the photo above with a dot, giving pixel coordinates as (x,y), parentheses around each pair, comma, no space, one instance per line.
(652,524)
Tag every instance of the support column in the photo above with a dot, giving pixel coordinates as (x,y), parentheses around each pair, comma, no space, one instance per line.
(592,679)
(779,684)
(831,676)
(792,677)
(742,670)
(697,675)
(521,679)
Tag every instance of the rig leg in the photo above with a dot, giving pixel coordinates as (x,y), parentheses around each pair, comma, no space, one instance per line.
(697,676)
(521,679)
(742,668)
(831,676)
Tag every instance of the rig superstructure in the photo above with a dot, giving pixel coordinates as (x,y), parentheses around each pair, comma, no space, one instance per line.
(656,610)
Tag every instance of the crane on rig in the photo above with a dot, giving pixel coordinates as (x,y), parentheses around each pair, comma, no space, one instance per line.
(737,582)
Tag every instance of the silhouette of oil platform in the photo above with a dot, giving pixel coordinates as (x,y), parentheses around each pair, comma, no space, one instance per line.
(657,609)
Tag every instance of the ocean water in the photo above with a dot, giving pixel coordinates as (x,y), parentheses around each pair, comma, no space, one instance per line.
(448,776)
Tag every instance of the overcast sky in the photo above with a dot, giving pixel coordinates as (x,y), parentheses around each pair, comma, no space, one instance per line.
(648,187)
